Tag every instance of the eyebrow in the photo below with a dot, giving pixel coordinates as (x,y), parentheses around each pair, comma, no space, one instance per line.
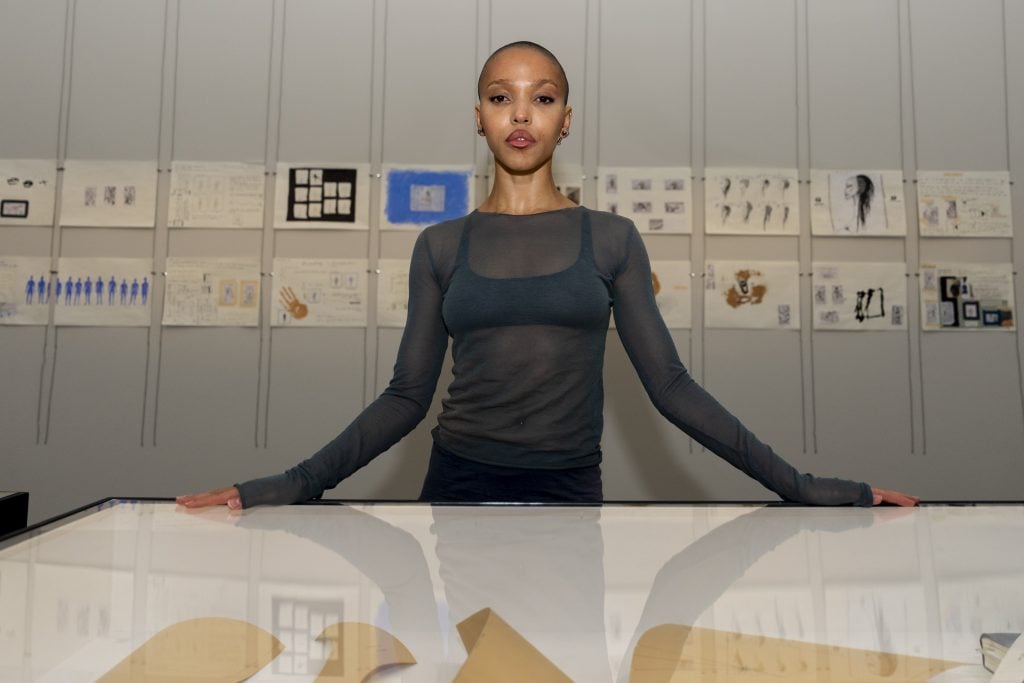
(505,81)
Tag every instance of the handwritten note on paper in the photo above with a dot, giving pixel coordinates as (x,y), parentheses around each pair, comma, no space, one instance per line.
(216,195)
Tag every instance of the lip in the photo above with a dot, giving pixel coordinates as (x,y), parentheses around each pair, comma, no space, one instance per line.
(520,139)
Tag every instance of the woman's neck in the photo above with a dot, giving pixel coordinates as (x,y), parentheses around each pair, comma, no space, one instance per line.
(526,193)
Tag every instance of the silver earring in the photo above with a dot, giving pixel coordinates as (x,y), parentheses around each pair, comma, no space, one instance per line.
(479,131)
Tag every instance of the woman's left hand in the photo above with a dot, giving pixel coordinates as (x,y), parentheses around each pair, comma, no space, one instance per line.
(887,497)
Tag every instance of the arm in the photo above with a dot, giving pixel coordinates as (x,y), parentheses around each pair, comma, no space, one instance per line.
(688,406)
(387,419)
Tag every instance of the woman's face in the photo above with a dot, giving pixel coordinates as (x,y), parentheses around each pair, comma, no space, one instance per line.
(522,109)
(850,188)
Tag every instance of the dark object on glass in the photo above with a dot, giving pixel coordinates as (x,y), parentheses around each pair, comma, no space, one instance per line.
(13,511)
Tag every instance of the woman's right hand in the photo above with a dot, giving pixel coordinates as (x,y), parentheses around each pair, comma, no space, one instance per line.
(226,496)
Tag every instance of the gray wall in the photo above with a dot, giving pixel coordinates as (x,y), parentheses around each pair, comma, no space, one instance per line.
(88,412)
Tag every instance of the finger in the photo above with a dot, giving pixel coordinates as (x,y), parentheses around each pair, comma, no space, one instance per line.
(216,497)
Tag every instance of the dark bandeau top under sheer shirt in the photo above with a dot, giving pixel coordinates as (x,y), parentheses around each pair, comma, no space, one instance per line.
(526,302)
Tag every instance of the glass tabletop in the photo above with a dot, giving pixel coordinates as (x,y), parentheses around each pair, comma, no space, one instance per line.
(411,592)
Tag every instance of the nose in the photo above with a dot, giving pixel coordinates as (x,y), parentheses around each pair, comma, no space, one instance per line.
(521,114)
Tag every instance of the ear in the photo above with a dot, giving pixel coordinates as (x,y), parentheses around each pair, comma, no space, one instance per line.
(567,119)
(476,113)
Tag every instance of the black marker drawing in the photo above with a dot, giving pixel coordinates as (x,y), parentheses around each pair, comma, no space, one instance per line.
(866,298)
(748,209)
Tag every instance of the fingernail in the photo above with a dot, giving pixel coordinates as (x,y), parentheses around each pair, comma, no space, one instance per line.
(234,503)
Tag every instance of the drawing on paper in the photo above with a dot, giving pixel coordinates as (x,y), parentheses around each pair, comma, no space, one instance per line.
(967,296)
(671,283)
(212,292)
(746,289)
(118,194)
(25,290)
(207,194)
(292,306)
(320,292)
(958,204)
(656,199)
(322,194)
(103,291)
(27,191)
(417,197)
(751,201)
(857,202)
(757,295)
(393,292)
(859,296)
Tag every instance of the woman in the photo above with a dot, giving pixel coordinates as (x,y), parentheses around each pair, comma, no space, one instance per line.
(524,286)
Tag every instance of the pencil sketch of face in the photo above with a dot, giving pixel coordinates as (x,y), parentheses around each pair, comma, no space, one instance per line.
(726,185)
(90,196)
(850,187)
(642,207)
(110,195)
(767,216)
(675,184)
(642,184)
(726,210)
(611,183)
(748,209)
(744,185)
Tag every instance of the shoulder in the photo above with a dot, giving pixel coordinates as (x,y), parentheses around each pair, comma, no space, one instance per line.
(444,230)
(614,238)
(606,222)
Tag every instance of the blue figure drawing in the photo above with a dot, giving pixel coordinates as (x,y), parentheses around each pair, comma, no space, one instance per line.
(42,296)
(30,290)
(60,286)
(135,290)
(69,286)
(145,290)
(87,287)
(78,290)
(99,290)
(124,291)
(111,288)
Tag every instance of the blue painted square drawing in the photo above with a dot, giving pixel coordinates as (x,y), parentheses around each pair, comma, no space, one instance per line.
(418,197)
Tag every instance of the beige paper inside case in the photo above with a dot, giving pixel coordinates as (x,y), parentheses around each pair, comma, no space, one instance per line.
(496,652)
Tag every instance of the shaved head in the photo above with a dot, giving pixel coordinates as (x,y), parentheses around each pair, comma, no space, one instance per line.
(527,45)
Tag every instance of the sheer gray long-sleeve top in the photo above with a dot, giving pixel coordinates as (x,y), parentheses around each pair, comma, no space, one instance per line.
(526,301)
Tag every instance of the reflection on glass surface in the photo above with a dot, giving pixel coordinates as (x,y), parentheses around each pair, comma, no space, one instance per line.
(581,585)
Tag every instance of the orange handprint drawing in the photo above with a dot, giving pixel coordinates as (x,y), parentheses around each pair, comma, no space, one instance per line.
(296,308)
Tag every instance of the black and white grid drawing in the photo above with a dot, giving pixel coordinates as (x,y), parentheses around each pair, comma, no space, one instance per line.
(321,195)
